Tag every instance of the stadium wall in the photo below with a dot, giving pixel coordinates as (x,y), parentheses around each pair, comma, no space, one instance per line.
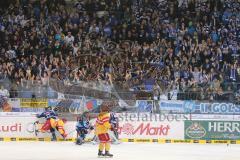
(17,126)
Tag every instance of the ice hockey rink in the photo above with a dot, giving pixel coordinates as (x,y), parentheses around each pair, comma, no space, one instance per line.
(124,151)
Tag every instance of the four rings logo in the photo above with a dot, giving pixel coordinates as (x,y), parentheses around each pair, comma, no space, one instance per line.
(33,126)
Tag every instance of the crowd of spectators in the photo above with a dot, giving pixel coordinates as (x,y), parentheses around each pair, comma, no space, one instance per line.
(187,48)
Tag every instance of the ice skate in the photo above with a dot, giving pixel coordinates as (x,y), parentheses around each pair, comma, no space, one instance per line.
(54,138)
(107,154)
(79,141)
(100,154)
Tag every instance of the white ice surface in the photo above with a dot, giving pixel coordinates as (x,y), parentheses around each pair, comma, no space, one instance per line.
(124,151)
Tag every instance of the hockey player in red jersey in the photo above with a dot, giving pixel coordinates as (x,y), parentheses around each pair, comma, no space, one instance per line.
(49,124)
(52,123)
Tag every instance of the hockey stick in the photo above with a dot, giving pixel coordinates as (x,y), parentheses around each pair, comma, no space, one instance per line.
(35,128)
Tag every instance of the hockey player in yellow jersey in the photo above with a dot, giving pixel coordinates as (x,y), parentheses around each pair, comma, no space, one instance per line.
(102,128)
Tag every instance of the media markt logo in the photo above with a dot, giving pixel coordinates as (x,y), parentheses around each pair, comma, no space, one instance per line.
(144,129)
(195,130)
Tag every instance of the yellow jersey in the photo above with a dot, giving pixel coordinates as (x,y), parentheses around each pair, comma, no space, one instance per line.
(102,123)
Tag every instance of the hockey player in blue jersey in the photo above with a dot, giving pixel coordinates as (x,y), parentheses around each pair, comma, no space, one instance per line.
(82,128)
(115,125)
(48,113)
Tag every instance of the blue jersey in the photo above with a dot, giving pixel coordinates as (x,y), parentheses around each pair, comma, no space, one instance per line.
(48,115)
(83,124)
(113,120)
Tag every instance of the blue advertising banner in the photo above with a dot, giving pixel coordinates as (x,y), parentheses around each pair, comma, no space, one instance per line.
(144,105)
(176,106)
(197,107)
(30,110)
(216,108)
